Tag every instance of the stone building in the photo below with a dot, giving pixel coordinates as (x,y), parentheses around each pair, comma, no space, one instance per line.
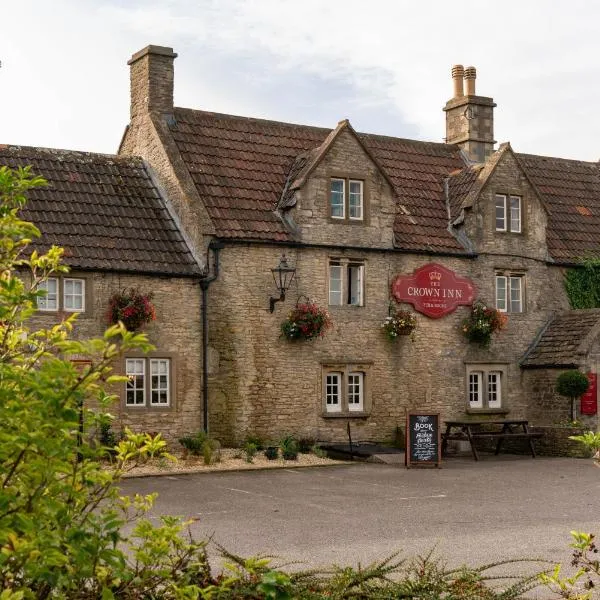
(199,208)
(118,232)
(351,212)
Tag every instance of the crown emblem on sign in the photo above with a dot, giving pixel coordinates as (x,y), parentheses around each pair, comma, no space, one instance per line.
(435,276)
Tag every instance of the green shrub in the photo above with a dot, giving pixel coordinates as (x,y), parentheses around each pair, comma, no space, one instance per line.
(249,449)
(289,448)
(254,438)
(305,445)
(318,451)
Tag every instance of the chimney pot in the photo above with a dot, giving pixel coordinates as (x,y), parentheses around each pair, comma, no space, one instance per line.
(470,77)
(457,76)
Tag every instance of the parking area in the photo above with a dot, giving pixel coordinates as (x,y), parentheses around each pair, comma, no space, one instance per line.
(472,512)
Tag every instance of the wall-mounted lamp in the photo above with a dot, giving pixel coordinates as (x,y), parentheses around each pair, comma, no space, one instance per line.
(283,275)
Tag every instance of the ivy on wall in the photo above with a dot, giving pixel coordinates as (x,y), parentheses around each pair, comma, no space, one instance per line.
(583,284)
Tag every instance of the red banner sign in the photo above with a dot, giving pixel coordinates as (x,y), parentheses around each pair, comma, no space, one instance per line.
(433,290)
(589,404)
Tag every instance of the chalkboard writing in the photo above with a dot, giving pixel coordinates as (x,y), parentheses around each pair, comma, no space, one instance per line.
(422,439)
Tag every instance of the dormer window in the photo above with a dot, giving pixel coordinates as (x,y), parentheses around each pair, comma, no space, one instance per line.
(346,199)
(508,213)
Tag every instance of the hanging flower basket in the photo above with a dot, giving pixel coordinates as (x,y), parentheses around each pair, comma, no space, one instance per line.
(482,323)
(131,307)
(306,322)
(402,322)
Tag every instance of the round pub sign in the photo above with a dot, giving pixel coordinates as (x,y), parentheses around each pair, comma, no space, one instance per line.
(433,290)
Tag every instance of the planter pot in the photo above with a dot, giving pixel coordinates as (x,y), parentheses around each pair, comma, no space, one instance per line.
(271,452)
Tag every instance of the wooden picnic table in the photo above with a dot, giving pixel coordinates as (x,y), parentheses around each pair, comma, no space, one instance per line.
(474,429)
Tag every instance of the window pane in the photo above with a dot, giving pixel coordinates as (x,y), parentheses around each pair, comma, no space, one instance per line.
(475,395)
(355,391)
(515,214)
(335,283)
(336,198)
(135,369)
(516,304)
(500,212)
(501,293)
(74,294)
(50,300)
(355,284)
(494,390)
(159,381)
(356,199)
(333,392)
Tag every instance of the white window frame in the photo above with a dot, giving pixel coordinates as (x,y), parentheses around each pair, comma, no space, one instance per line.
(333,391)
(336,192)
(73,280)
(59,296)
(149,385)
(355,391)
(500,203)
(131,384)
(346,277)
(486,387)
(516,221)
(360,205)
(506,301)
(511,220)
(43,303)
(345,389)
(160,388)
(348,197)
(475,381)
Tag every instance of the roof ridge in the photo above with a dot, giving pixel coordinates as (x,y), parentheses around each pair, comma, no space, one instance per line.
(571,160)
(67,151)
(318,128)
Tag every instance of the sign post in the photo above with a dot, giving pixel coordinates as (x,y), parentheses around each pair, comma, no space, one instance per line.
(423,439)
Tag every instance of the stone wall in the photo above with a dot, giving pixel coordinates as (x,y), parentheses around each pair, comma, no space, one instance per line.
(265,384)
(176,334)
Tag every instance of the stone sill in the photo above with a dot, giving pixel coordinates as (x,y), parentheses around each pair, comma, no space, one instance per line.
(487,411)
(346,415)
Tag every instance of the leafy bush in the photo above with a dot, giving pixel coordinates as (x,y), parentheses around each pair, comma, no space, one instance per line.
(249,449)
(318,451)
(572,384)
(289,448)
(257,440)
(582,285)
(61,515)
(305,445)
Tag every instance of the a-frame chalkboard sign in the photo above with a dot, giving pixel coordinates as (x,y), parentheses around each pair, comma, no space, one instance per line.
(423,439)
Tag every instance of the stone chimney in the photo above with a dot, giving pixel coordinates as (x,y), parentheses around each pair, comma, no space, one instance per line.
(151,81)
(470,118)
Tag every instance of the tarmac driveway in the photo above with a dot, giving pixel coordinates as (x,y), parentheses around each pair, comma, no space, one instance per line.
(471,512)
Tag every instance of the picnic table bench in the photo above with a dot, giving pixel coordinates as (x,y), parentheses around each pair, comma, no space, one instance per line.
(472,429)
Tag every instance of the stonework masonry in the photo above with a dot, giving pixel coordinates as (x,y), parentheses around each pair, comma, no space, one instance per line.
(175,333)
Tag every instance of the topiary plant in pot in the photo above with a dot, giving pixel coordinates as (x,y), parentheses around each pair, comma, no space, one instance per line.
(572,384)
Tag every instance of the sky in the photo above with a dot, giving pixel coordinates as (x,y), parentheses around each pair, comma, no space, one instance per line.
(383,64)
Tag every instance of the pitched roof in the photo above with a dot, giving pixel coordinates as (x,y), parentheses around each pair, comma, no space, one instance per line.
(240,167)
(571,192)
(103,210)
(460,183)
(565,340)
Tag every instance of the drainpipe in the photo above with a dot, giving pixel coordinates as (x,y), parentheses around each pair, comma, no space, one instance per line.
(204,283)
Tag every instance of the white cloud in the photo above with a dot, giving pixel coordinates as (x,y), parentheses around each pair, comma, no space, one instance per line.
(537,59)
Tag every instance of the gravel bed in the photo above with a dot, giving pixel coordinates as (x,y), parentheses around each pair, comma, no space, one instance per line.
(232,459)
